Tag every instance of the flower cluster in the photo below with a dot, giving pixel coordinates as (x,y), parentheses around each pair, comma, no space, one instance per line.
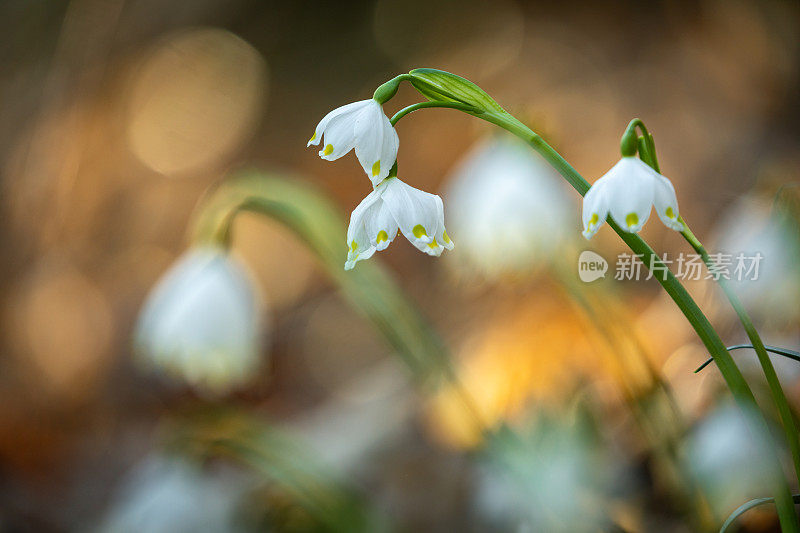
(627,193)
(393,205)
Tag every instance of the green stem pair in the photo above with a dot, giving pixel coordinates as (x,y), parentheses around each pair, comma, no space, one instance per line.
(700,323)
(775,389)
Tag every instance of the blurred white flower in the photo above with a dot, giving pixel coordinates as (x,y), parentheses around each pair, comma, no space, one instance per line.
(172,495)
(728,460)
(202,322)
(748,227)
(507,207)
(628,192)
(394,204)
(361,125)
(550,480)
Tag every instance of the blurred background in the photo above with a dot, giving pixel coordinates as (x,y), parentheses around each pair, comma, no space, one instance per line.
(118,115)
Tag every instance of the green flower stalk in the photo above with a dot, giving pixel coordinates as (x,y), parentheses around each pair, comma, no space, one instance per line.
(778,395)
(647,151)
(370,289)
(446,90)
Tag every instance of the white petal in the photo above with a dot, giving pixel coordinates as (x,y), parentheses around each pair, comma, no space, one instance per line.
(630,191)
(359,243)
(343,110)
(381,226)
(595,208)
(419,214)
(376,144)
(435,247)
(666,203)
(165,492)
(442,239)
(353,258)
(389,147)
(339,137)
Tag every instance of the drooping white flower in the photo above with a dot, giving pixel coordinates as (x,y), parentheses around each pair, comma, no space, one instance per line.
(508,207)
(395,205)
(202,323)
(628,192)
(361,125)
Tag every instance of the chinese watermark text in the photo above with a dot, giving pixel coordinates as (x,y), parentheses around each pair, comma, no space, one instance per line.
(738,267)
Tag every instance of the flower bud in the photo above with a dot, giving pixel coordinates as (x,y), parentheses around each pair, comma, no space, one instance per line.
(628,143)
(445,87)
(385,92)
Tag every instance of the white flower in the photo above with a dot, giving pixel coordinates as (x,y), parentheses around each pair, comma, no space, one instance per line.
(627,192)
(729,457)
(391,206)
(165,494)
(764,253)
(363,126)
(508,208)
(544,478)
(202,323)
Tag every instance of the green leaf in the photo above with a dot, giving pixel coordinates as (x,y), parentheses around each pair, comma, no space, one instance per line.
(747,506)
(445,87)
(316,221)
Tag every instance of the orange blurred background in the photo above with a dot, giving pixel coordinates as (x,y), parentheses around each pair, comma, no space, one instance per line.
(119,114)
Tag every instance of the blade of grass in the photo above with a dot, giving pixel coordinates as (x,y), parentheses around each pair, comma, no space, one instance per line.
(747,506)
(791,354)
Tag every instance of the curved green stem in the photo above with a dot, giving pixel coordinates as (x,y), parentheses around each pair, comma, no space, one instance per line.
(713,343)
(370,288)
(789,354)
(648,151)
(386,92)
(778,396)
(447,90)
(423,105)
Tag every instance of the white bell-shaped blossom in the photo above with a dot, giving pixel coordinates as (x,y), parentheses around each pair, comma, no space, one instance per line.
(391,206)
(202,322)
(628,192)
(508,207)
(364,126)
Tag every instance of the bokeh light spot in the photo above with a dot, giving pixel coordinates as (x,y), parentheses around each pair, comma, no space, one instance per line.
(195,99)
